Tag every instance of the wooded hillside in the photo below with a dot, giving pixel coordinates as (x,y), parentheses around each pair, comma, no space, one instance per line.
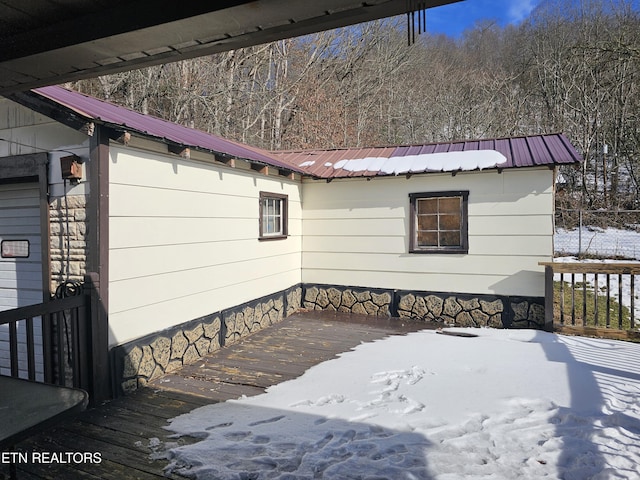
(572,67)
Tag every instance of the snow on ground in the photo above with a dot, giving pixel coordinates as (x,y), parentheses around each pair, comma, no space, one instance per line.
(603,243)
(609,242)
(506,404)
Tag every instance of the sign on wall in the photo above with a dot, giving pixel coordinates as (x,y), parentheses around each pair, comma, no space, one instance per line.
(15,248)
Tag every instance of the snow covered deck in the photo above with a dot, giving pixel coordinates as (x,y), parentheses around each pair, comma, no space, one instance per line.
(512,403)
(126,431)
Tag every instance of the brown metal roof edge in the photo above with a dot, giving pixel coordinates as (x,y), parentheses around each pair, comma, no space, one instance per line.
(78,119)
(50,108)
(513,160)
(321,151)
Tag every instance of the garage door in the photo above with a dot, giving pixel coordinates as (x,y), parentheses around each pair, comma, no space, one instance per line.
(20,265)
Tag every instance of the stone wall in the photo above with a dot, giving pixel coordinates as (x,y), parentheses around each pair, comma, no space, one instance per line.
(452,309)
(349,300)
(68,224)
(138,362)
(145,359)
(446,308)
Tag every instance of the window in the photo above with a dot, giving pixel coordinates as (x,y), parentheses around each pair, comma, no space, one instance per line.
(439,222)
(15,249)
(273,216)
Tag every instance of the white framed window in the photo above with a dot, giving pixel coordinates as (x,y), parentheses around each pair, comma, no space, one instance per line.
(273,216)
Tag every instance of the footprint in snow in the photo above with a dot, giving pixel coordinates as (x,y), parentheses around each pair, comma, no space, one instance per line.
(268,420)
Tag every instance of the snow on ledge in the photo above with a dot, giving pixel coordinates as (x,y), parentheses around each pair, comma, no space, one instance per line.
(438,162)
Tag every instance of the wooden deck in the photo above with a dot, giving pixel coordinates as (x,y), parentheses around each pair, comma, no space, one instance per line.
(126,431)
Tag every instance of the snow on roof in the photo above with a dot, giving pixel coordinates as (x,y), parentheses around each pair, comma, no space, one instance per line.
(465,155)
(427,162)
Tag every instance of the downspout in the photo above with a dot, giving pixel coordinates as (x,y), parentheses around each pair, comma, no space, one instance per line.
(98,262)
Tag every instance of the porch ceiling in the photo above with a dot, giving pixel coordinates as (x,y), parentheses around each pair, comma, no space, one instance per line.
(48,42)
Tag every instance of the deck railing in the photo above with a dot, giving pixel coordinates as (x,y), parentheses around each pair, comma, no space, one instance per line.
(57,342)
(64,340)
(589,295)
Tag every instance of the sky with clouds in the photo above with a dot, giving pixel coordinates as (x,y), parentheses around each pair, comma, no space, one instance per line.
(453,19)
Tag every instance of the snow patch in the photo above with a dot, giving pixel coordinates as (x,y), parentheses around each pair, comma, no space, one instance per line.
(438,162)
(506,404)
(598,241)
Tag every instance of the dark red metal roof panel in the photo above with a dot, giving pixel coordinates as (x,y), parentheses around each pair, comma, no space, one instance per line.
(557,145)
(514,152)
(503,145)
(126,119)
(538,150)
(521,153)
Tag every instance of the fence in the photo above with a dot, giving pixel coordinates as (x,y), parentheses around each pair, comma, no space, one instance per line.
(70,352)
(598,233)
(65,340)
(592,295)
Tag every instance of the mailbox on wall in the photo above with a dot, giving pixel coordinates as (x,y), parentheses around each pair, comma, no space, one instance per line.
(71,167)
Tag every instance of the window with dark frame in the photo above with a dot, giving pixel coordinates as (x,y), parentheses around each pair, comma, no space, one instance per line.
(439,222)
(273,216)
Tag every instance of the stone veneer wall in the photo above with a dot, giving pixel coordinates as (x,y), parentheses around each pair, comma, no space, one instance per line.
(138,362)
(447,308)
(68,223)
(147,358)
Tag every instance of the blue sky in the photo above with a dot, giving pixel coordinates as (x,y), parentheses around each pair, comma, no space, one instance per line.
(455,18)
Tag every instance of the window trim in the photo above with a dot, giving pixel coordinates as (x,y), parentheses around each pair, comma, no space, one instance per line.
(284,212)
(464,229)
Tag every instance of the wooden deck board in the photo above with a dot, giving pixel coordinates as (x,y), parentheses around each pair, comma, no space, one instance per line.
(122,430)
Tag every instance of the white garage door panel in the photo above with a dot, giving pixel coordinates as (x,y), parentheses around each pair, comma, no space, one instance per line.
(13,212)
(21,278)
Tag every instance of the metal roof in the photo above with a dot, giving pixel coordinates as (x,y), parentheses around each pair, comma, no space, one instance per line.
(76,109)
(47,42)
(499,153)
(124,119)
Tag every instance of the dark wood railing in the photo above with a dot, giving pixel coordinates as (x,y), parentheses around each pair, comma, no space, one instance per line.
(589,297)
(71,356)
(63,325)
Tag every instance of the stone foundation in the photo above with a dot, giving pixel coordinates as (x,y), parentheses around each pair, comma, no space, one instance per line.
(145,359)
(452,309)
(446,308)
(350,300)
(150,357)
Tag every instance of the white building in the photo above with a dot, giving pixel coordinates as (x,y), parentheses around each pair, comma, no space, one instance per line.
(193,241)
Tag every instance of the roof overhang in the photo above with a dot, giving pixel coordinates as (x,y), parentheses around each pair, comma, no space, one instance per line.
(83,112)
(489,154)
(45,42)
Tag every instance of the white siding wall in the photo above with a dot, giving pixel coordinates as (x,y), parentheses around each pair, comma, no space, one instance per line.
(184,241)
(356,233)
(25,131)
